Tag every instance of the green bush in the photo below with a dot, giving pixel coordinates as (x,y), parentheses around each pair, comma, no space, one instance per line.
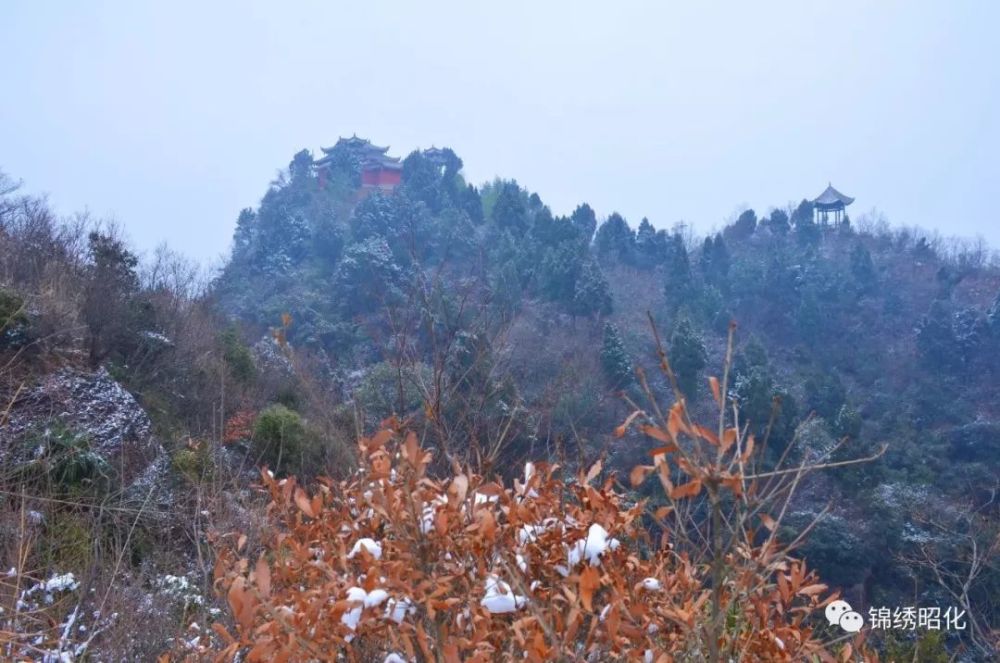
(237,356)
(13,320)
(279,439)
(387,390)
(194,464)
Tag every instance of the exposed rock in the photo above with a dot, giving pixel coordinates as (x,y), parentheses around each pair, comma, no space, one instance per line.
(93,405)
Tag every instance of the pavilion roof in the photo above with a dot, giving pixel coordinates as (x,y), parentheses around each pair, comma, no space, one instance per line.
(832,197)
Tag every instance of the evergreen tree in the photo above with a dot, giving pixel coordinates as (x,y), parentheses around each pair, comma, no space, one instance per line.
(585,221)
(471,202)
(648,249)
(557,273)
(993,317)
(687,357)
(615,240)
(936,341)
(300,169)
(509,211)
(614,359)
(777,223)
(245,234)
(862,267)
(803,213)
(110,308)
(592,294)
(367,277)
(743,227)
(677,272)
(714,260)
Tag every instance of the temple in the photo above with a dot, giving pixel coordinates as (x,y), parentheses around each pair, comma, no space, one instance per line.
(831,200)
(378,170)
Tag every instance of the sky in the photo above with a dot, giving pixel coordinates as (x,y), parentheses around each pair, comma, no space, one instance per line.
(171,117)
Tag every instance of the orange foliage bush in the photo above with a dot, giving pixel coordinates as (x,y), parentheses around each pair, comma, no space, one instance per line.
(239,426)
(393,564)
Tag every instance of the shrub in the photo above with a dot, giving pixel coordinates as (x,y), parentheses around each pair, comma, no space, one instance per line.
(13,320)
(279,437)
(388,390)
(395,561)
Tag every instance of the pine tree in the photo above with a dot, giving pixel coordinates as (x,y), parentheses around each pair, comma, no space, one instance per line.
(592,294)
(647,250)
(778,222)
(936,341)
(677,271)
(585,221)
(743,227)
(616,240)
(687,356)
(862,267)
(614,358)
(993,317)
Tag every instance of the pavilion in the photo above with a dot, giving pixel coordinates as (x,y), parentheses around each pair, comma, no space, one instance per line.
(831,200)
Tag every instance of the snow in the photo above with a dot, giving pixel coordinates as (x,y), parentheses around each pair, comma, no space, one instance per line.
(651,584)
(352,617)
(393,657)
(61,583)
(396,610)
(597,543)
(485,499)
(375,598)
(499,597)
(371,546)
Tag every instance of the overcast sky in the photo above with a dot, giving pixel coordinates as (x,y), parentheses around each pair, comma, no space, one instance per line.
(172,116)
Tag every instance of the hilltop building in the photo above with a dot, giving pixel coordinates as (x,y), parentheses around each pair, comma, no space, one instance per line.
(379,171)
(831,200)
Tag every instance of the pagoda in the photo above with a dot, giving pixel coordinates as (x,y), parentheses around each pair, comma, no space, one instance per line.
(831,200)
(378,170)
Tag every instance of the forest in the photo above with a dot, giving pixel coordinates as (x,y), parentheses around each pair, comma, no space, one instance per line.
(436,421)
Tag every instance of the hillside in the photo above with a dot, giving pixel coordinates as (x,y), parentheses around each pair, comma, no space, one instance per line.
(502,333)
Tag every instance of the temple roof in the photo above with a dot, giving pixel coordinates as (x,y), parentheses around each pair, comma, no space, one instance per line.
(368,154)
(832,197)
(355,143)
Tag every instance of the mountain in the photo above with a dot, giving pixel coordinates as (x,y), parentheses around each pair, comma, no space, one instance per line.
(364,287)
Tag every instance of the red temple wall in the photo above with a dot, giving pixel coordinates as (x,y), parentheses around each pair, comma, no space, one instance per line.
(381,178)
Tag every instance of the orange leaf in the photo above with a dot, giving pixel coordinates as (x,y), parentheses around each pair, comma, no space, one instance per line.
(459,488)
(662,512)
(713,382)
(590,580)
(706,435)
(639,474)
(594,470)
(675,422)
(302,501)
(620,431)
(768,521)
(656,433)
(748,449)
(728,438)
(690,489)
(262,574)
(659,451)
(223,633)
(488,524)
(812,590)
